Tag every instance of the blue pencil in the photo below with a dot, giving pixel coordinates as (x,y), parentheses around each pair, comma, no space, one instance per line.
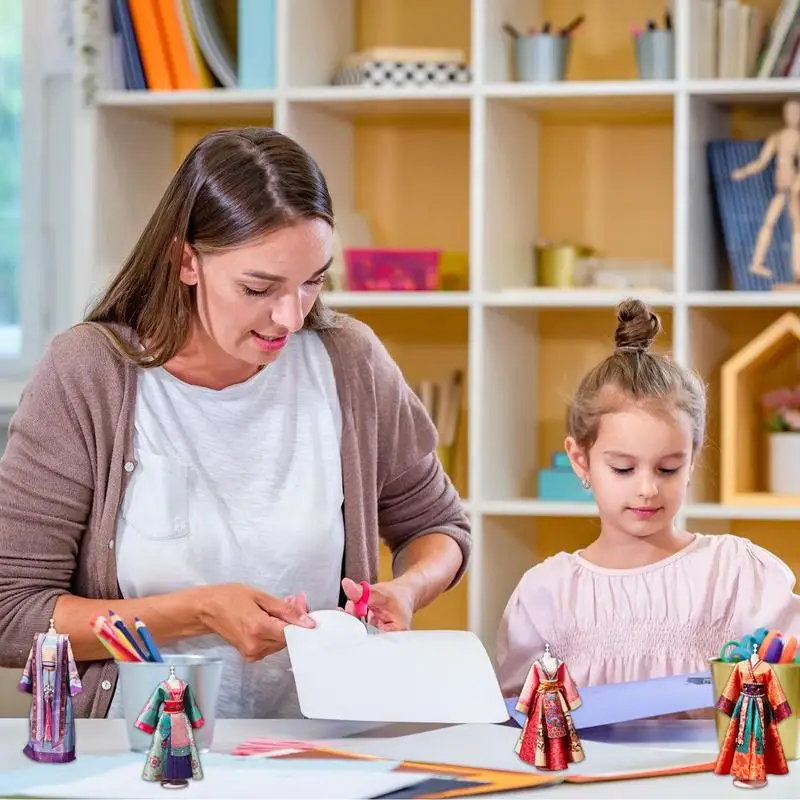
(117,622)
(145,636)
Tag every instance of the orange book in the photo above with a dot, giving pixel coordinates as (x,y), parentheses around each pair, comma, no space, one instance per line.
(152,48)
(182,67)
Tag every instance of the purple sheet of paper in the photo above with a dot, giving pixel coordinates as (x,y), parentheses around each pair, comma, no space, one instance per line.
(622,702)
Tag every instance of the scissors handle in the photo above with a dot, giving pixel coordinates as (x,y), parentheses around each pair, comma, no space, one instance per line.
(361,607)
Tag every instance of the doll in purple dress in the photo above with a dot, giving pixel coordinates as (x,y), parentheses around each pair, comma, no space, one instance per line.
(171,715)
(51,677)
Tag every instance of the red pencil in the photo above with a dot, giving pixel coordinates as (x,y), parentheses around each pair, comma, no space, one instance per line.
(110,642)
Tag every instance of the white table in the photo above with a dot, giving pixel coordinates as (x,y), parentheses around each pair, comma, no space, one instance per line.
(640,745)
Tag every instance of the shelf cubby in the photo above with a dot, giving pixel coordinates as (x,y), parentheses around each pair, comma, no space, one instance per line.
(568,174)
(602,47)
(323,32)
(717,335)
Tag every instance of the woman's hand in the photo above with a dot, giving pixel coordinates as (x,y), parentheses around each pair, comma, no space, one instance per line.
(298,601)
(250,620)
(390,607)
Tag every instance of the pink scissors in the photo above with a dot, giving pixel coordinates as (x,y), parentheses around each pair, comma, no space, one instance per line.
(361,607)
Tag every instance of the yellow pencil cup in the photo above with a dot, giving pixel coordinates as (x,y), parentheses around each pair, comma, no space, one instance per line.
(557,265)
(789,676)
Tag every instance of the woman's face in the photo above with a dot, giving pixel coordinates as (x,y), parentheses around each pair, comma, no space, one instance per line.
(252,298)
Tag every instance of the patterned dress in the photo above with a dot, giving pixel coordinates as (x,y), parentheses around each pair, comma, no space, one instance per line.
(548,740)
(754,700)
(171,715)
(51,677)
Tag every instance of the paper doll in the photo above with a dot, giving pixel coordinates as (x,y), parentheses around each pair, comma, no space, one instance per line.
(754,700)
(51,677)
(549,695)
(171,715)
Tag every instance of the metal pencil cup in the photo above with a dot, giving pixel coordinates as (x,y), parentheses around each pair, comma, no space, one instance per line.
(138,680)
(542,58)
(789,676)
(655,55)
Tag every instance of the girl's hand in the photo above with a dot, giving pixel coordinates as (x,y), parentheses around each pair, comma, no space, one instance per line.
(391,604)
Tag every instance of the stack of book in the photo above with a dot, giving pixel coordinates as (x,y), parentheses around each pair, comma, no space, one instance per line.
(167,45)
(735,39)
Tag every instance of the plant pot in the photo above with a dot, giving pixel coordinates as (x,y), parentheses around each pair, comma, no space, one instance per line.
(784,463)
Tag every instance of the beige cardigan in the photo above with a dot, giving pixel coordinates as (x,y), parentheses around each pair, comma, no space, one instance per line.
(69,457)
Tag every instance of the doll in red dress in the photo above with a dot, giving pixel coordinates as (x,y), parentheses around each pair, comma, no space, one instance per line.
(755,701)
(549,695)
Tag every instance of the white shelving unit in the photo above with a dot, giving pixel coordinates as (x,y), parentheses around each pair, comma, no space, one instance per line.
(523,346)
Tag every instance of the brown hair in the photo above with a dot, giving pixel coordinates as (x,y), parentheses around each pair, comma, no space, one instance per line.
(637,375)
(235,186)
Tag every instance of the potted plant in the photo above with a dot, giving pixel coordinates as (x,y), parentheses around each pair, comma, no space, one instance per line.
(783,424)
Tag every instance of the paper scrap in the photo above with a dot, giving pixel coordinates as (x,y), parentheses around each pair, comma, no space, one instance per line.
(224,776)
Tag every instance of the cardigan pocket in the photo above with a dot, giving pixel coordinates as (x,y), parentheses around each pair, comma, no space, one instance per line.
(156,502)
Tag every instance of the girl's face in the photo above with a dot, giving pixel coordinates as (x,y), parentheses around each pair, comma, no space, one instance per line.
(639,468)
(252,298)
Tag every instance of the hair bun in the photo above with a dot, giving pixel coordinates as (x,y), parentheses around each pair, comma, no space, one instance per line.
(637,326)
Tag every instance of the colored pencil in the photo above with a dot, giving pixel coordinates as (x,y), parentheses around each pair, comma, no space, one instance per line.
(117,622)
(118,653)
(145,636)
(123,643)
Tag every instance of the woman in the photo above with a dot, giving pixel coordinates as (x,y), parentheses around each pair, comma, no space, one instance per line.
(214,451)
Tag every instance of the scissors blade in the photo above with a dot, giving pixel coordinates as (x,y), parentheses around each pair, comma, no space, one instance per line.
(371,629)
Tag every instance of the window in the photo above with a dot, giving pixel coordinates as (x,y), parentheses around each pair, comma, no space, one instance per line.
(10,177)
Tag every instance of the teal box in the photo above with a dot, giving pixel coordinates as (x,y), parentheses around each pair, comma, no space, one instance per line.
(560,460)
(562,485)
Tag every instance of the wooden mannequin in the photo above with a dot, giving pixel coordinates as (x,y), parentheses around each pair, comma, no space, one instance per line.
(754,659)
(784,147)
(548,662)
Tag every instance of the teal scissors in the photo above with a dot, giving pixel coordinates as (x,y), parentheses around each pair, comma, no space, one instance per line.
(734,650)
(361,608)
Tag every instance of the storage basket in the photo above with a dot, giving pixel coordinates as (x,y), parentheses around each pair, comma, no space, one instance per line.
(389,270)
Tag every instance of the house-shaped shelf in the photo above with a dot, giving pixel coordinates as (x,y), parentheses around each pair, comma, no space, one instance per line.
(745,377)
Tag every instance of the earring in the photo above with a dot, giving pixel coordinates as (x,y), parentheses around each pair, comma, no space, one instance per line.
(586,483)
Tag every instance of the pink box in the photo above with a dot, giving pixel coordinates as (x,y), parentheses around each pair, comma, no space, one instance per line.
(387,270)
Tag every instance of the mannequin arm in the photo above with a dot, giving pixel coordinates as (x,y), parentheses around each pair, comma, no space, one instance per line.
(757,165)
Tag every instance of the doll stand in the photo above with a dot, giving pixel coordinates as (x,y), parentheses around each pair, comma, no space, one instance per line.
(747,785)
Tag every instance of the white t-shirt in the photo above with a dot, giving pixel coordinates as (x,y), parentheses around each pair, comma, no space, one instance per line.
(240,485)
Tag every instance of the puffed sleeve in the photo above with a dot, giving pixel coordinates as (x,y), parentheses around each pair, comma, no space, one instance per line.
(765,594)
(519,641)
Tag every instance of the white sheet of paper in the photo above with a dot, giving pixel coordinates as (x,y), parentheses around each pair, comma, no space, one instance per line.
(126,782)
(342,673)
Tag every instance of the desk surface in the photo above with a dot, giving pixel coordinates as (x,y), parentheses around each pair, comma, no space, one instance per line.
(633,746)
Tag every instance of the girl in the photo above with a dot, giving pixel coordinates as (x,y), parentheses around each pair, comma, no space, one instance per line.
(645,599)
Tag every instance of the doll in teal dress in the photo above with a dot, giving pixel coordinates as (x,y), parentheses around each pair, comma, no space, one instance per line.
(171,715)
(51,678)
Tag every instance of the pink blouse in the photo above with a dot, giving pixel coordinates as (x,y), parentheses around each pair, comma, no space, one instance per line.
(667,618)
